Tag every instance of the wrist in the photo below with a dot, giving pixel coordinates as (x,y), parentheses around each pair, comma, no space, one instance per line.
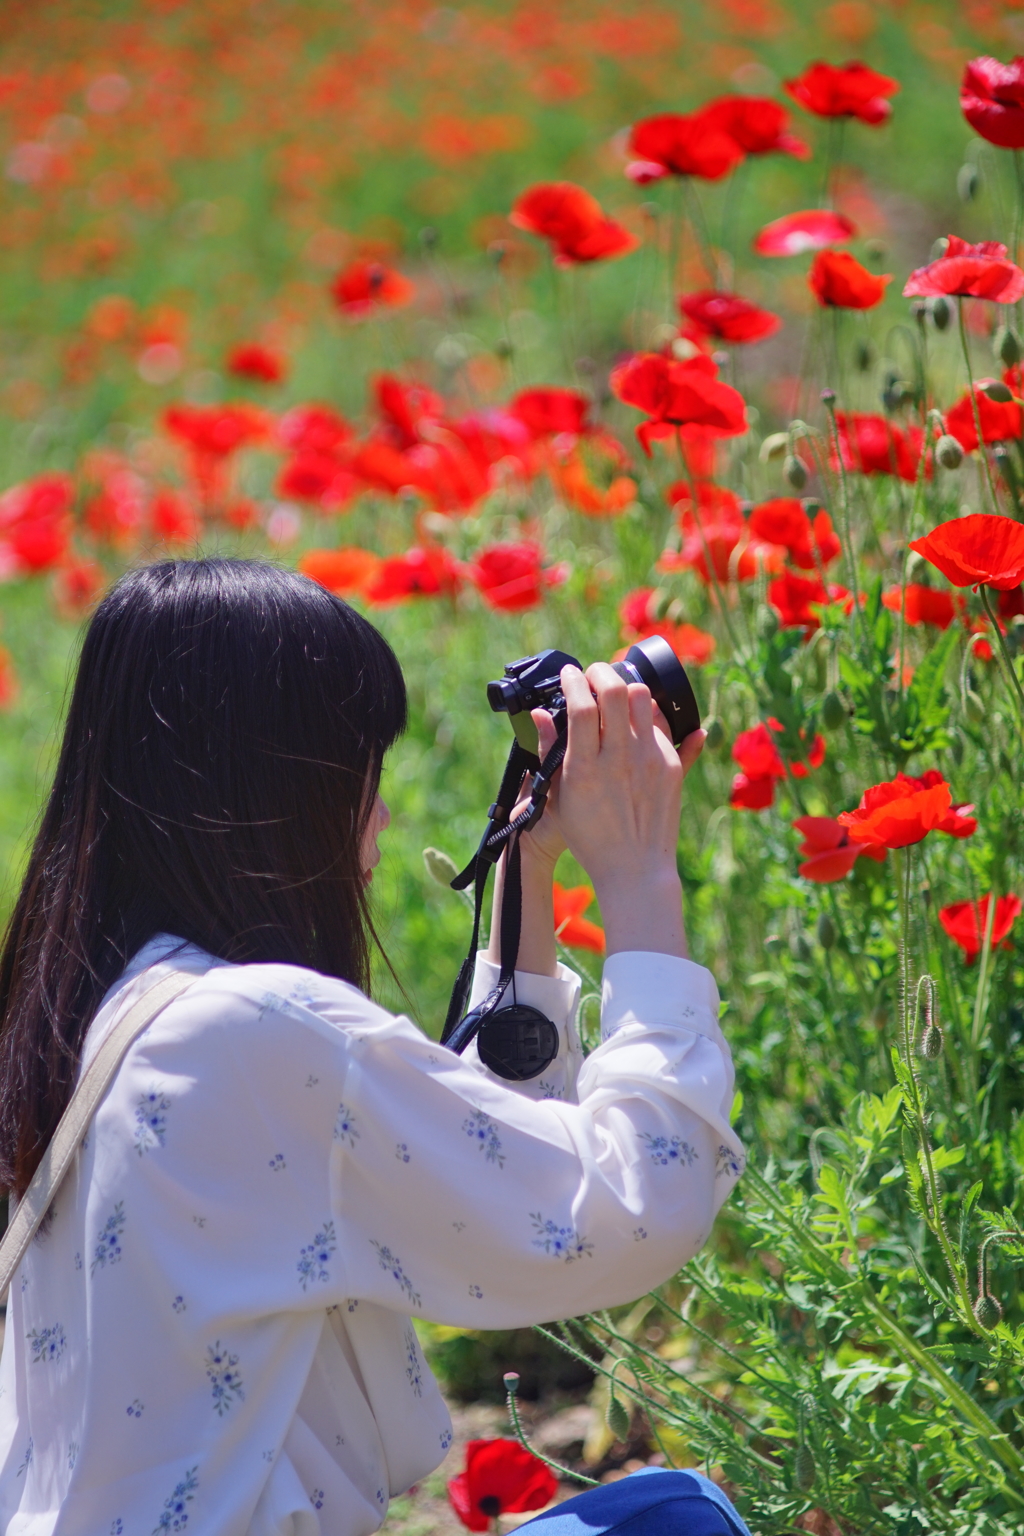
(645,914)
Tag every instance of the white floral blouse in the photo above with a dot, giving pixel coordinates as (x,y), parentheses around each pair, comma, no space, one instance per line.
(212,1333)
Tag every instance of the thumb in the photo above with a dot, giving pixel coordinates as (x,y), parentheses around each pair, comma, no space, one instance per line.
(545,730)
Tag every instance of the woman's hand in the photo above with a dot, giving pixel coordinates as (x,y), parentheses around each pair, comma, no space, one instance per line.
(618,806)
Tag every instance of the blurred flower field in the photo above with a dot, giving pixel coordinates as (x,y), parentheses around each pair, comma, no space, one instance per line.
(523,326)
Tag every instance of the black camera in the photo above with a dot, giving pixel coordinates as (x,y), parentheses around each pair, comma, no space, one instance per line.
(534,682)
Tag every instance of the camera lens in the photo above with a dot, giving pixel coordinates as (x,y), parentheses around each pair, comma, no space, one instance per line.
(654,662)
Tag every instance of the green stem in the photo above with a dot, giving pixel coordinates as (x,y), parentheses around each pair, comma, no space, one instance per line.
(974,404)
(847,534)
(520,1434)
(1004,651)
(981,996)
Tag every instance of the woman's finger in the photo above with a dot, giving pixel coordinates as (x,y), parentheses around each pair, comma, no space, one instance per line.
(613,702)
(692,748)
(546,732)
(584,720)
(641,714)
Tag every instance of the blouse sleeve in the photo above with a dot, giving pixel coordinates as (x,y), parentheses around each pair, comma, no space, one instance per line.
(457,1197)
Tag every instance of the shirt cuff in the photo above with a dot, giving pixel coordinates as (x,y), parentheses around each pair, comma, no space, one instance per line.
(556,997)
(641,987)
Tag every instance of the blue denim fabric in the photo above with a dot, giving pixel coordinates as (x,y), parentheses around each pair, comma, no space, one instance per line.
(652,1502)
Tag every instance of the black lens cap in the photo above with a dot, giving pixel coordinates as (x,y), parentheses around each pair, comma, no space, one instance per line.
(517,1043)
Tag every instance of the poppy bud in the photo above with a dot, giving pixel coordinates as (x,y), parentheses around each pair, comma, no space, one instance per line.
(939,248)
(767,622)
(657,604)
(968,183)
(429,237)
(774,445)
(997,391)
(828,397)
(716,734)
(940,312)
(799,948)
(1006,345)
(826,931)
(988,1311)
(511,1380)
(617,1417)
(774,943)
(794,472)
(948,452)
(863,356)
(932,1041)
(973,707)
(833,711)
(956,748)
(440,866)
(503,349)
(804,1470)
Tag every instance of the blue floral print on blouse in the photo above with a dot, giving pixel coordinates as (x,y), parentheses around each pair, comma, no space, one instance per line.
(108,1243)
(27,1458)
(48,1344)
(561,1242)
(151,1120)
(389,1262)
(175,1515)
(669,1149)
(482,1129)
(345,1126)
(225,1377)
(412,1356)
(316,1498)
(446,1439)
(313,1259)
(729,1162)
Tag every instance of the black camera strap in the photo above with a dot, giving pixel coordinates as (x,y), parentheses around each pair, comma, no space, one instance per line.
(522,1036)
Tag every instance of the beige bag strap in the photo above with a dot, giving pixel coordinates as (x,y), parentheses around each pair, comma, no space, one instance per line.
(74,1122)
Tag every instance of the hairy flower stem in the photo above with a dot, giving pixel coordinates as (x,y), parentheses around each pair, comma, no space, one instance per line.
(914,1099)
(981,996)
(1004,651)
(520,1434)
(974,404)
(847,534)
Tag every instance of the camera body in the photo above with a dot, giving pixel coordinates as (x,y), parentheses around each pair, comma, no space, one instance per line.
(534,682)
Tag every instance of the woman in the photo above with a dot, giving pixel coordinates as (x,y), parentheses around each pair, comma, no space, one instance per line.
(212,1332)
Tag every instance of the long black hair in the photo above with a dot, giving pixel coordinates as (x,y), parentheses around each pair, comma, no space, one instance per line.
(219,765)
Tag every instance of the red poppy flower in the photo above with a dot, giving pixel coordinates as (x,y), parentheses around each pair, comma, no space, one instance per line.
(871,445)
(992,100)
(849,90)
(340,570)
(313,429)
(501,1477)
(958,822)
(216,431)
(966,922)
(751,794)
(571,474)
(679,144)
(253,361)
(510,576)
(792,598)
(692,645)
(570,924)
(758,125)
(35,524)
(423,571)
(678,394)
(924,605)
(1011,602)
(546,412)
(717,529)
(76,586)
(980,549)
(727,316)
(761,765)
(365,285)
(795,233)
(574,222)
(173,518)
(828,852)
(1001,420)
(320,478)
(783,521)
(900,811)
(982,271)
(838,280)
